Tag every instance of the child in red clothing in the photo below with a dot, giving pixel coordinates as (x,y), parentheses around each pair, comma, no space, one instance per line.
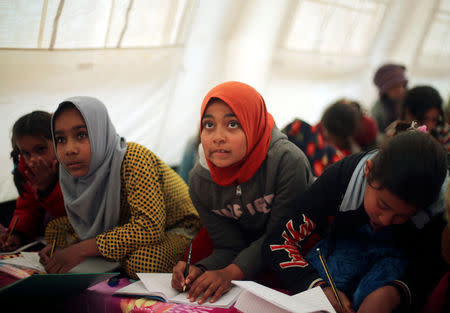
(36,178)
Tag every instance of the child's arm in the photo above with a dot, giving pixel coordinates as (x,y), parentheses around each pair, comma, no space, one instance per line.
(225,234)
(381,300)
(60,232)
(146,225)
(63,260)
(286,246)
(29,217)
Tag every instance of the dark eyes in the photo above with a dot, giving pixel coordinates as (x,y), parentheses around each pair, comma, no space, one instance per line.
(234,124)
(82,135)
(207,124)
(231,124)
(59,139)
(41,150)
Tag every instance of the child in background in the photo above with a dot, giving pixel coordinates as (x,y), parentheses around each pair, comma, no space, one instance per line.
(330,140)
(424,104)
(122,201)
(246,179)
(36,178)
(366,129)
(371,209)
(392,83)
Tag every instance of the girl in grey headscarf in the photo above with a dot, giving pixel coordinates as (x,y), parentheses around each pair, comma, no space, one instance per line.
(122,201)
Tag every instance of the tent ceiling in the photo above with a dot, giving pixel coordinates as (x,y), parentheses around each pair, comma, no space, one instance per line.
(85,24)
(342,27)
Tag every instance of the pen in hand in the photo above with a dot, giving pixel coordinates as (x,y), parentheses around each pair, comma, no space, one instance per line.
(186,269)
(330,279)
(53,247)
(12,229)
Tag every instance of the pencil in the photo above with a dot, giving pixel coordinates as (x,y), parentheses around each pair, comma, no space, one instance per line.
(12,228)
(53,247)
(333,286)
(188,263)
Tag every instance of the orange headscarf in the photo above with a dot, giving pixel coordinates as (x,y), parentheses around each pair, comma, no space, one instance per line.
(249,107)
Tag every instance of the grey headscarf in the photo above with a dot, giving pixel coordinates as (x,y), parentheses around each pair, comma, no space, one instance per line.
(93,201)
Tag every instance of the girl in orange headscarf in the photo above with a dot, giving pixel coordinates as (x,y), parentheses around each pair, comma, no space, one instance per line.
(244,184)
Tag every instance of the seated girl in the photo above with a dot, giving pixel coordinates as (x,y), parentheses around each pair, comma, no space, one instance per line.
(122,201)
(246,180)
(36,178)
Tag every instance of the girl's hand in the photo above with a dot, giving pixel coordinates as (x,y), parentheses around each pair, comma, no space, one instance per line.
(178,280)
(43,174)
(335,303)
(381,300)
(9,244)
(63,260)
(214,283)
(211,283)
(44,254)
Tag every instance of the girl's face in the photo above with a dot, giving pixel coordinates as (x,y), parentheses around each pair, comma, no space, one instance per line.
(36,149)
(383,207)
(223,138)
(72,142)
(431,118)
(397,92)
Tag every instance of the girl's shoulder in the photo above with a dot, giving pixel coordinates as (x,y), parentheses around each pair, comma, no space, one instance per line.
(199,174)
(137,156)
(138,151)
(283,150)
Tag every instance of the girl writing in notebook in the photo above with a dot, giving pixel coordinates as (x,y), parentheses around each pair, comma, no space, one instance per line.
(246,179)
(122,201)
(36,178)
(373,212)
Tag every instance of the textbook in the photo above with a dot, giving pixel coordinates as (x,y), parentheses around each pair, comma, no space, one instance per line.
(256,298)
(158,286)
(89,265)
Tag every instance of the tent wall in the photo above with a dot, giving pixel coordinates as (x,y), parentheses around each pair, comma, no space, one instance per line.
(154,94)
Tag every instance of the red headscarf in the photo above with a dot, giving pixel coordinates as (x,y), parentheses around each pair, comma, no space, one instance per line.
(249,107)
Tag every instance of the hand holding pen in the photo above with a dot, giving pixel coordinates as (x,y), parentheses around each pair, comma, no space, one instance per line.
(9,240)
(343,304)
(186,269)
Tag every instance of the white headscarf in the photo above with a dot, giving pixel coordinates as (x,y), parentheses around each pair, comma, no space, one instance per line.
(93,201)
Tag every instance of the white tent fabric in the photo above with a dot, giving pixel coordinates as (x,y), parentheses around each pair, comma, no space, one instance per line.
(152,61)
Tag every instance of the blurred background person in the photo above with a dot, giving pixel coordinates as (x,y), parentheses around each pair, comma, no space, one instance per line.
(391,82)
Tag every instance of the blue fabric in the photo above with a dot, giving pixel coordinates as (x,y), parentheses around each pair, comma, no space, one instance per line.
(361,263)
(190,156)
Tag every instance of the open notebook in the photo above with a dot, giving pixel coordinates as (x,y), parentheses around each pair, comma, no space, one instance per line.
(158,286)
(89,265)
(256,298)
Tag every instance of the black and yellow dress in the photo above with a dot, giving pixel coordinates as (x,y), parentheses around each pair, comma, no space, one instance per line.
(157,217)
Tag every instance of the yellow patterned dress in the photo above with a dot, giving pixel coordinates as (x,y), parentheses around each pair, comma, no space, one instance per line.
(157,217)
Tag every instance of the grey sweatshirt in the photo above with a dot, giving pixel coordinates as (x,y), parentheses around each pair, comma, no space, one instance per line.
(239,217)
